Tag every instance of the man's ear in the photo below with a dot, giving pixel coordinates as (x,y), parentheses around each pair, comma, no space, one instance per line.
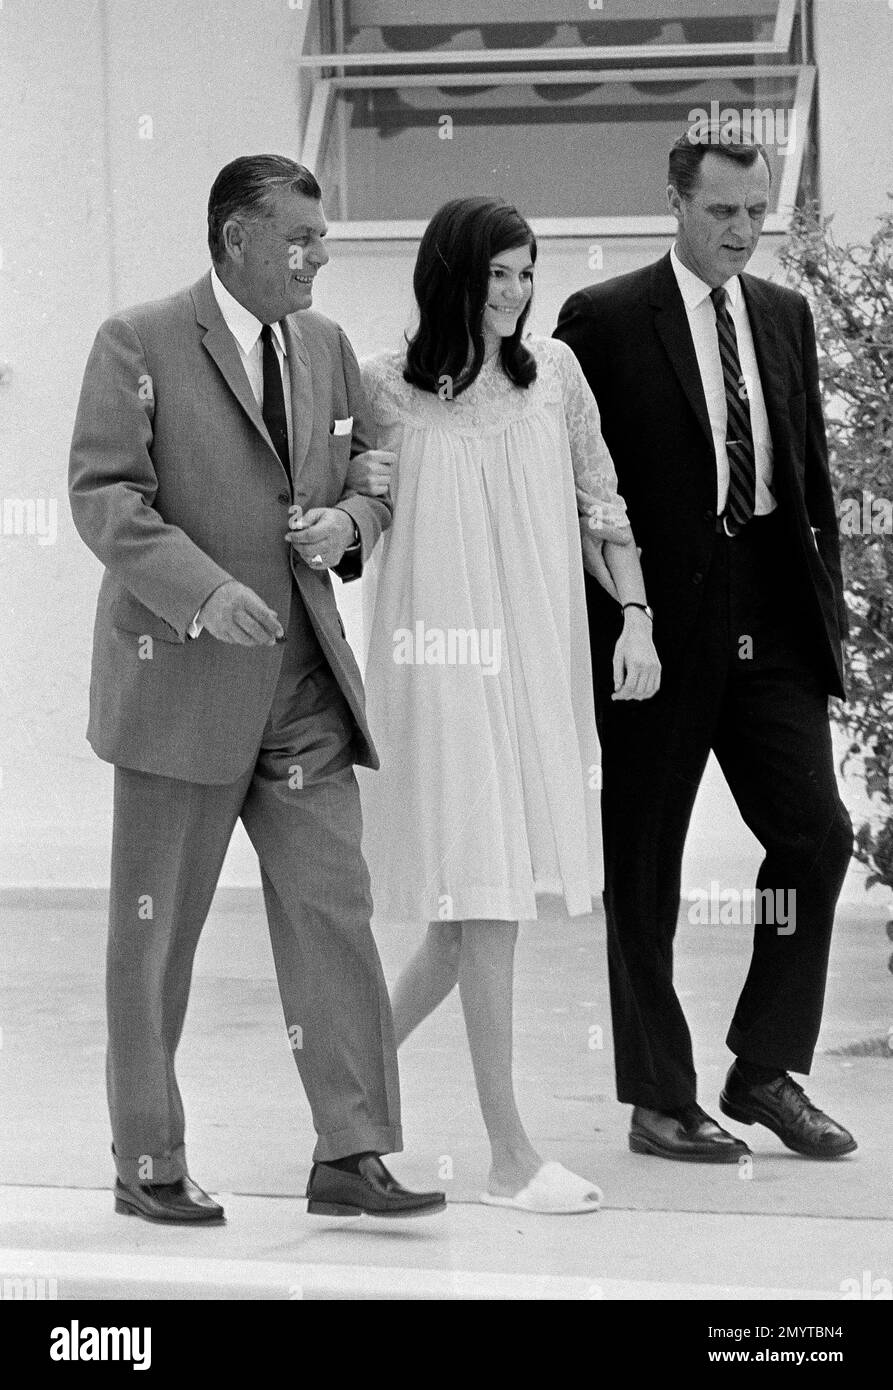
(674,201)
(233,237)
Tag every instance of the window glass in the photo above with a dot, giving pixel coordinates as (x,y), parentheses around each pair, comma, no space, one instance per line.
(403,25)
(555,150)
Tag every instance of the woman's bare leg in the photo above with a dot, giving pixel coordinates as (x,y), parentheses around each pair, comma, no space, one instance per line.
(427,978)
(486,971)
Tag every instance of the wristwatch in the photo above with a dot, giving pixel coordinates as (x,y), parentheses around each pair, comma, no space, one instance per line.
(646,609)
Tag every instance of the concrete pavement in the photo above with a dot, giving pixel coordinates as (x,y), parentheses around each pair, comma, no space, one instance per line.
(781,1227)
(271,1249)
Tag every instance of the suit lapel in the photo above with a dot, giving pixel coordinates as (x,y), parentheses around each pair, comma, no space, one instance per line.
(301,394)
(773,381)
(221,346)
(765,342)
(671,325)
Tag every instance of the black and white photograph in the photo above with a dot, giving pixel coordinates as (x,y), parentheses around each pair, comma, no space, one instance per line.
(446,756)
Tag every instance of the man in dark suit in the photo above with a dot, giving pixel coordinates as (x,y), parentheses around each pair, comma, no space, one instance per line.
(707,383)
(208,474)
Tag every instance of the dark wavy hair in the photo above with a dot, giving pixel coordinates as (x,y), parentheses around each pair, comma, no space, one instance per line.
(451,279)
(689,150)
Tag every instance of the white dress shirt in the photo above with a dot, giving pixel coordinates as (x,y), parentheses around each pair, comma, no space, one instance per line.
(246,330)
(702,323)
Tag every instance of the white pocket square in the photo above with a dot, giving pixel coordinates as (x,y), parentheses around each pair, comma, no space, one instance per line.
(343,426)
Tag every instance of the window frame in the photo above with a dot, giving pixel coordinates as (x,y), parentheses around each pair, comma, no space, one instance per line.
(322,107)
(779,45)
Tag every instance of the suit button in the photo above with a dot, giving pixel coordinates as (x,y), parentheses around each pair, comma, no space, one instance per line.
(284,497)
(709,515)
(697,576)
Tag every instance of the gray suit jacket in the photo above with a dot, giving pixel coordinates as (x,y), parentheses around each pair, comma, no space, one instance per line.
(175,485)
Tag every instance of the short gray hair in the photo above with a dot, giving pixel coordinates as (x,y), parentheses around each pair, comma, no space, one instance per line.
(244,185)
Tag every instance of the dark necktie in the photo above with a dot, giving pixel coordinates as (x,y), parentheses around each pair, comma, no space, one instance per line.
(273,409)
(741,497)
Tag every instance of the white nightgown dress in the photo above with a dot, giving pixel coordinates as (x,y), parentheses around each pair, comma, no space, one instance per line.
(478,678)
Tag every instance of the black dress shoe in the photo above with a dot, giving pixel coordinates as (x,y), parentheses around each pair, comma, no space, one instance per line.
(785,1108)
(176,1203)
(373,1191)
(687,1134)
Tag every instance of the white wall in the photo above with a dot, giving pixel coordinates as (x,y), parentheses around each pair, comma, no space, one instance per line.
(97,217)
(854,56)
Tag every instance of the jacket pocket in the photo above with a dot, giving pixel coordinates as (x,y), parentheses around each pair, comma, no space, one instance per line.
(128,614)
(339,453)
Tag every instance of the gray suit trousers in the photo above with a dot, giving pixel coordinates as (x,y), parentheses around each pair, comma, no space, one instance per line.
(299,803)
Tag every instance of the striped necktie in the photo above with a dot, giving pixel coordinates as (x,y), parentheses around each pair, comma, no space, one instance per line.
(742,491)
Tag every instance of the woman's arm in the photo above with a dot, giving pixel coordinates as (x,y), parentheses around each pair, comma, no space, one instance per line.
(609,550)
(636,663)
(625,569)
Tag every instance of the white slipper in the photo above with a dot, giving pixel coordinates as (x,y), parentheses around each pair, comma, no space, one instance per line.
(552,1191)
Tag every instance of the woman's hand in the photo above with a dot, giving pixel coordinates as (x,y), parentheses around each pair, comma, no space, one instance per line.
(594,559)
(370,473)
(636,663)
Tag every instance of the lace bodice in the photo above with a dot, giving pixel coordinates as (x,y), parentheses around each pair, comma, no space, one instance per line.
(492,403)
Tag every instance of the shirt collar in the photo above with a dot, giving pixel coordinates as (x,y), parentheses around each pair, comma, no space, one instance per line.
(244,326)
(693,289)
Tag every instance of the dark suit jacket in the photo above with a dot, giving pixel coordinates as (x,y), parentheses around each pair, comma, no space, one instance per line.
(633,342)
(176,486)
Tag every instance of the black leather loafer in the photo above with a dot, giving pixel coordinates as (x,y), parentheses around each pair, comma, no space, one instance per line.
(175,1203)
(371,1192)
(688,1135)
(785,1108)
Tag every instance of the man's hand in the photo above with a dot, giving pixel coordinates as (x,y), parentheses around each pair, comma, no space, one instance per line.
(370,472)
(234,613)
(636,663)
(594,559)
(321,536)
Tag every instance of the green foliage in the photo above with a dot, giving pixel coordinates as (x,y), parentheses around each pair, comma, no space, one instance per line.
(850,289)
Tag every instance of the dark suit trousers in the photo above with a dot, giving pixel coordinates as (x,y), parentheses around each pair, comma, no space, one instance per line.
(746,686)
(300,806)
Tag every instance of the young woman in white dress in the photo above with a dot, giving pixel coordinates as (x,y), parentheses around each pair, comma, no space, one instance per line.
(478,678)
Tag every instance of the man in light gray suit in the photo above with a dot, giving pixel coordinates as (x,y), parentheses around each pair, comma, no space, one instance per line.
(209,475)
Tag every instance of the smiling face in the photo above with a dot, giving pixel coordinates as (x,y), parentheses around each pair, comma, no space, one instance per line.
(509,289)
(271,260)
(720,221)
